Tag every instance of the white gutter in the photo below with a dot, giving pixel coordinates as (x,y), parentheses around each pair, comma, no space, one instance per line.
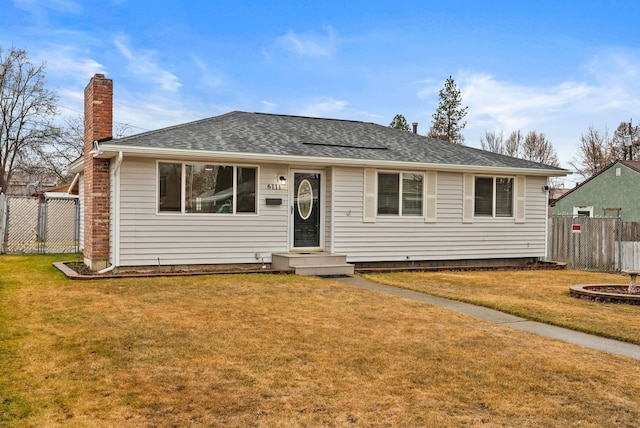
(111,150)
(116,215)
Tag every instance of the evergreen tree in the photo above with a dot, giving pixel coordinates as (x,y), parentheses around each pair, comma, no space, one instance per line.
(447,122)
(399,122)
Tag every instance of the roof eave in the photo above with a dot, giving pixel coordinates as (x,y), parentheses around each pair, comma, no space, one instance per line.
(109,151)
(76,166)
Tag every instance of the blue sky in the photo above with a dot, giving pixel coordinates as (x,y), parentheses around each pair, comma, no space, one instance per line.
(555,67)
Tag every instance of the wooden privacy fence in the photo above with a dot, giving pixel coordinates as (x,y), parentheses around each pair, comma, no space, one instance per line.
(594,244)
(586,243)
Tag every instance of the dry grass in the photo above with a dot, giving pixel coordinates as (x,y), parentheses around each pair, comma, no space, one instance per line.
(536,295)
(282,351)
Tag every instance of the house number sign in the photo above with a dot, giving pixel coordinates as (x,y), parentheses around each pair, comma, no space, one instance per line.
(305,196)
(274,186)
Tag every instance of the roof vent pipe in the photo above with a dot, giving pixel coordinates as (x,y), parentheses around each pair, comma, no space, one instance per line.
(415,127)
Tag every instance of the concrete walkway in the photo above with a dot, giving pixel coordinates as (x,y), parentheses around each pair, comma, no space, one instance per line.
(497,317)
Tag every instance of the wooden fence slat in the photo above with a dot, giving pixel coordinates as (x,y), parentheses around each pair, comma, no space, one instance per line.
(595,247)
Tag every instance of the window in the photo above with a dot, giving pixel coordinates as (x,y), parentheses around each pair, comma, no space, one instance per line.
(207,188)
(170,187)
(246,190)
(400,194)
(493,197)
(388,194)
(583,211)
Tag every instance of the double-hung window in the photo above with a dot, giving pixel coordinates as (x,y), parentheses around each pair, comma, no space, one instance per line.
(400,193)
(195,188)
(494,197)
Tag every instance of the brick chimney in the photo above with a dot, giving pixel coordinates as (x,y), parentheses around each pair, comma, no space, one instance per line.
(415,127)
(98,125)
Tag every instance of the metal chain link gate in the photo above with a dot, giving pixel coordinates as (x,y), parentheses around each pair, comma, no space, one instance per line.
(35,226)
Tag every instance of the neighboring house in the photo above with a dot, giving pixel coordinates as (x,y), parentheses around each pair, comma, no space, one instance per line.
(241,187)
(612,192)
(23,184)
(63,191)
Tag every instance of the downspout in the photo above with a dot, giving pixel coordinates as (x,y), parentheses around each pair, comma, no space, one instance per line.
(116,214)
(546,223)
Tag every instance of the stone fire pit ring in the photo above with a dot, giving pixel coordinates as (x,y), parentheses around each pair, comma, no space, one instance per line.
(605,293)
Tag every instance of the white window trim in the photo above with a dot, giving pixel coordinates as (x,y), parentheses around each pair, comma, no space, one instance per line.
(400,181)
(469,194)
(183,183)
(370,197)
(583,208)
(431,197)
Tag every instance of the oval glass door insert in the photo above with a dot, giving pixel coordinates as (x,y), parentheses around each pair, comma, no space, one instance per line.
(305,199)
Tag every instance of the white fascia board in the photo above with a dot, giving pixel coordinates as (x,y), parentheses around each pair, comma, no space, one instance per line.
(76,166)
(109,151)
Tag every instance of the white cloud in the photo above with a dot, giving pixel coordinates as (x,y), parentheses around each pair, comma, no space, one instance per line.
(603,93)
(144,63)
(152,114)
(509,106)
(309,45)
(39,8)
(210,78)
(268,106)
(323,107)
(70,61)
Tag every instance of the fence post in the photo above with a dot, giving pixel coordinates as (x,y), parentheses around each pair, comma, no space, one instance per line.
(42,226)
(619,236)
(3,220)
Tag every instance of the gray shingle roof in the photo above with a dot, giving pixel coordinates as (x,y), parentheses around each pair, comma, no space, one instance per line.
(261,133)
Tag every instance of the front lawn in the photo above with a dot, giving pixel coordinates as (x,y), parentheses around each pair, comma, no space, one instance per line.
(536,295)
(280,351)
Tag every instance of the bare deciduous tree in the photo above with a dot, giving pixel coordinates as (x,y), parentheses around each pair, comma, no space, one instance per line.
(595,151)
(619,145)
(27,111)
(513,144)
(493,142)
(534,147)
(54,157)
(537,148)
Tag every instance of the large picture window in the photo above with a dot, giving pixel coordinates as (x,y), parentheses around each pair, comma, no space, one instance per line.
(493,197)
(207,188)
(400,193)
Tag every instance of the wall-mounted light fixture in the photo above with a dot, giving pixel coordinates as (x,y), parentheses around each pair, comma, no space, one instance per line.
(283,180)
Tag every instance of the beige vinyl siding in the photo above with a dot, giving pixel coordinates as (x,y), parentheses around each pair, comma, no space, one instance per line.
(393,238)
(146,236)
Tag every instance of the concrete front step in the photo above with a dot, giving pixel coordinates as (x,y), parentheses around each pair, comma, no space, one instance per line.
(325,270)
(310,264)
(292,260)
